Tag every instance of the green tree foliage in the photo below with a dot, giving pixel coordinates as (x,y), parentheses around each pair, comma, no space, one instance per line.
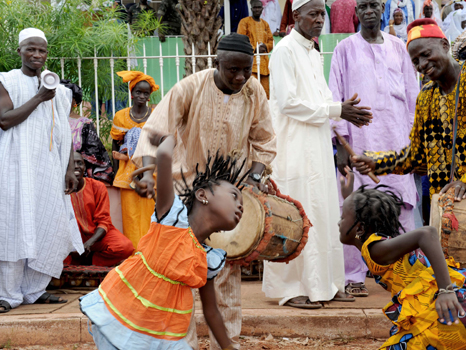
(72,32)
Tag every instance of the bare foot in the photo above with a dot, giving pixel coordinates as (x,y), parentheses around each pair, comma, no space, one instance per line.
(119,156)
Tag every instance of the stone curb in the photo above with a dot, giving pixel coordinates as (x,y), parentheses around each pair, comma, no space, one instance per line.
(57,329)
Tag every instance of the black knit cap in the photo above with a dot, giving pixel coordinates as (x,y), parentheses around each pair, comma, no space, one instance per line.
(237,43)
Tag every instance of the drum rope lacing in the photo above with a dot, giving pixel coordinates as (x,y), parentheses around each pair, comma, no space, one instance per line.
(288,218)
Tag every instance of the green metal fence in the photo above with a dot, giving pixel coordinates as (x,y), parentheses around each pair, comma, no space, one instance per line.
(172,67)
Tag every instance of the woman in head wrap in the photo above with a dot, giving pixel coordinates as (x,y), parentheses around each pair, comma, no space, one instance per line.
(87,142)
(459,46)
(456,26)
(397,25)
(430,10)
(127,124)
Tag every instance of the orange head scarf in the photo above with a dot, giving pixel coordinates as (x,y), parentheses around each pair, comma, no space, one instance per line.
(134,77)
(424,28)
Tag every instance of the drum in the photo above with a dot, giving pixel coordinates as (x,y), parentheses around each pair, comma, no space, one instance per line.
(273,227)
(80,276)
(449,218)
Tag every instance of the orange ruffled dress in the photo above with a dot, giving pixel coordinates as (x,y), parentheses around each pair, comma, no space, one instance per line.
(412,284)
(148,298)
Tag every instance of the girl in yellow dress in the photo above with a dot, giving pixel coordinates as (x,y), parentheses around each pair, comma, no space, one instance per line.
(136,211)
(428,292)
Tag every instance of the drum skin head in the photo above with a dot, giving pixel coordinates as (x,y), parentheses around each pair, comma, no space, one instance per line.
(246,236)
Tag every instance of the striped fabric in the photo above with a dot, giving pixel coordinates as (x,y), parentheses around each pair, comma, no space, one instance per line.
(21,284)
(37,218)
(150,292)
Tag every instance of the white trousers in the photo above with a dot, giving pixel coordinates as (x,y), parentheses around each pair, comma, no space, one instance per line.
(228,294)
(19,284)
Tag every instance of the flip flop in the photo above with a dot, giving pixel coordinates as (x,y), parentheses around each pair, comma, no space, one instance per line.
(347,300)
(6,305)
(307,305)
(48,298)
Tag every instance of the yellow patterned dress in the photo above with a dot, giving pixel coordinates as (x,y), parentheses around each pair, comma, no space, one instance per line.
(412,283)
(430,150)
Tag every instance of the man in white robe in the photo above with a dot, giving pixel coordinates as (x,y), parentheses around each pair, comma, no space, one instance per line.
(302,105)
(38,228)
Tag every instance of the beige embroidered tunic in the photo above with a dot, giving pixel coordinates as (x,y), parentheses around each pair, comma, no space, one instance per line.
(204,120)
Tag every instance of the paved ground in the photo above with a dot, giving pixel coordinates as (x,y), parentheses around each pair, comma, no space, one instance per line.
(252,298)
(338,325)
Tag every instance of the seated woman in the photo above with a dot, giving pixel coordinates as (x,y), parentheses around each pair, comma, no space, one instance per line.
(127,123)
(428,293)
(397,25)
(147,302)
(104,245)
(87,142)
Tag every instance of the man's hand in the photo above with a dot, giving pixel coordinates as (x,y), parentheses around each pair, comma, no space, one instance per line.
(87,246)
(363,164)
(262,187)
(276,33)
(71,182)
(460,190)
(145,187)
(45,94)
(358,116)
(282,34)
(262,48)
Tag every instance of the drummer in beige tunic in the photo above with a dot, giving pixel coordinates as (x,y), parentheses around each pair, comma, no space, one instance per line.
(215,109)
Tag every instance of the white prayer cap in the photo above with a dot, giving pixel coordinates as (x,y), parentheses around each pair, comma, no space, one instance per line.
(298,3)
(31,33)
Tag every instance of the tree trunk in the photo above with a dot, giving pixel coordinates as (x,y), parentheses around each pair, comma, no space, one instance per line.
(199,26)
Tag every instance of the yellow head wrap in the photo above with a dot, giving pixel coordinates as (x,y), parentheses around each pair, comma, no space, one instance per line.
(135,77)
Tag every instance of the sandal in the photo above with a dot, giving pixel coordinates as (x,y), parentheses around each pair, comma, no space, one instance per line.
(345,298)
(357,289)
(307,305)
(6,305)
(48,298)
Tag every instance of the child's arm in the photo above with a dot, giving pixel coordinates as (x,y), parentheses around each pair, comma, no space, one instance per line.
(165,190)
(347,182)
(426,238)
(212,315)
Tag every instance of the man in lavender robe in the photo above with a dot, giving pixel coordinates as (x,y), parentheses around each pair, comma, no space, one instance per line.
(378,67)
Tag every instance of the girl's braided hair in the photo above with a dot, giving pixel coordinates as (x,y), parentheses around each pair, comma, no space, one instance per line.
(378,210)
(221,169)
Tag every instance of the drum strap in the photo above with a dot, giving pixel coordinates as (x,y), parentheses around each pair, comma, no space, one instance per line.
(455,127)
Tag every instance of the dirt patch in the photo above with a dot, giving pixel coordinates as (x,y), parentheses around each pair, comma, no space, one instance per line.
(252,343)
(271,343)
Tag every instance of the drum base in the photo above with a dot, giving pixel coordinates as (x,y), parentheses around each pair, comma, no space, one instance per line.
(74,276)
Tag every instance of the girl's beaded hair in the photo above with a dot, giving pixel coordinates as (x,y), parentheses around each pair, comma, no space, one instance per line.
(221,169)
(378,210)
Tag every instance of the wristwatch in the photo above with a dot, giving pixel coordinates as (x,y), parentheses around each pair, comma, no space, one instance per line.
(255,177)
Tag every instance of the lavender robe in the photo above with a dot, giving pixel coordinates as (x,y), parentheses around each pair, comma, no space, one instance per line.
(384,78)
